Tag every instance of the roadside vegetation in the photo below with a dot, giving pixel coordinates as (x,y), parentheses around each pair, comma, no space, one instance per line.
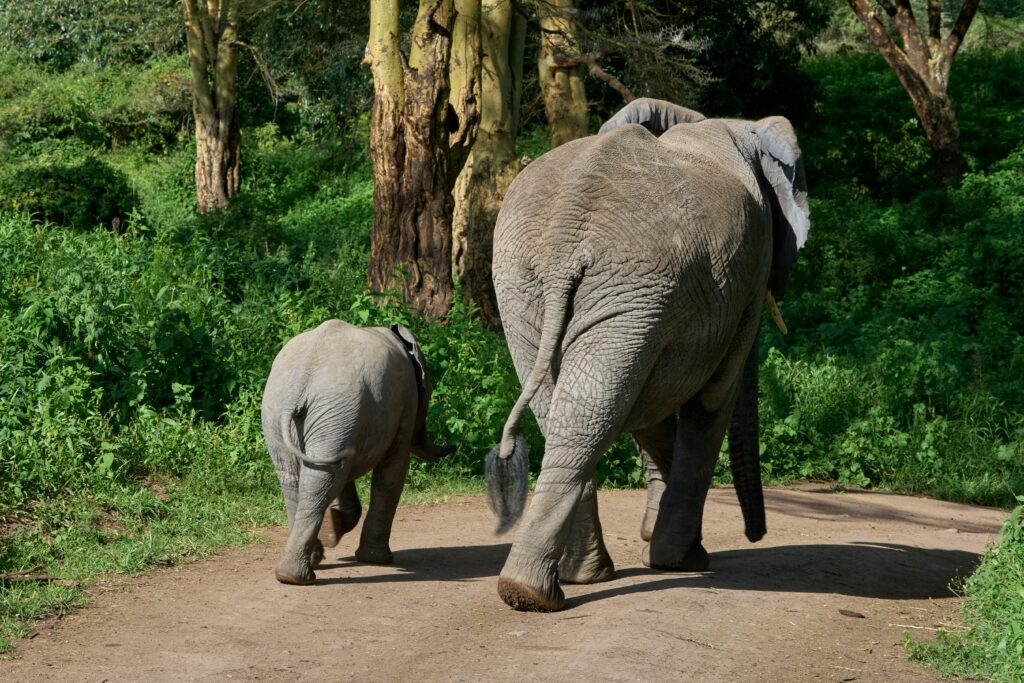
(135,335)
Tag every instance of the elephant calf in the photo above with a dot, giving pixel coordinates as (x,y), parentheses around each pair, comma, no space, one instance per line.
(342,400)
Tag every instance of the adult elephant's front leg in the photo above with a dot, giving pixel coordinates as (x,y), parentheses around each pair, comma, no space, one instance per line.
(586,559)
(655,446)
(676,539)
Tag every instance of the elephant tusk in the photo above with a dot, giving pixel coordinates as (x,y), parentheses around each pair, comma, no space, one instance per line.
(773,308)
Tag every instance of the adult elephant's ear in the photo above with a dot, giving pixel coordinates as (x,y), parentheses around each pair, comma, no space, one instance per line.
(783,167)
(656,116)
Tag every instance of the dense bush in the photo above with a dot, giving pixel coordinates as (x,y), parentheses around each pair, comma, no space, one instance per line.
(79,195)
(62,33)
(91,107)
(990,644)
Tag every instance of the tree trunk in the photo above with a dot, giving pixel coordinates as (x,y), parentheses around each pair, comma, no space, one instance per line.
(923,67)
(492,164)
(938,119)
(211,30)
(565,100)
(417,144)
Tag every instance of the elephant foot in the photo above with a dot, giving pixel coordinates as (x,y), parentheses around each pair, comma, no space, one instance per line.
(592,568)
(294,576)
(316,555)
(530,584)
(694,559)
(375,555)
(338,521)
(647,526)
(525,599)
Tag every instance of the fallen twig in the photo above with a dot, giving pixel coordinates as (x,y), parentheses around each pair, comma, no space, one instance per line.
(921,628)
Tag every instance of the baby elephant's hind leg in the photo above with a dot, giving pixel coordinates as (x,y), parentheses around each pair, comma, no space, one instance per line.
(341,516)
(385,490)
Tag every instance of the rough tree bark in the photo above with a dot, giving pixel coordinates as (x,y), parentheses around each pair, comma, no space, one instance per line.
(923,67)
(492,164)
(565,100)
(211,30)
(418,143)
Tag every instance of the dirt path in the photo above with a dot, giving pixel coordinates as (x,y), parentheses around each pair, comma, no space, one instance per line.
(786,609)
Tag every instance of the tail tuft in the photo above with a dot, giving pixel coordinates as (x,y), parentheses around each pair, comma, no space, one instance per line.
(508,480)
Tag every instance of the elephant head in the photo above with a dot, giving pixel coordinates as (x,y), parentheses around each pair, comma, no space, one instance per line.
(421,443)
(783,182)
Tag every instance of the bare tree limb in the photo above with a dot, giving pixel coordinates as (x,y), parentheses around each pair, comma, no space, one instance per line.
(590,60)
(934,26)
(956,36)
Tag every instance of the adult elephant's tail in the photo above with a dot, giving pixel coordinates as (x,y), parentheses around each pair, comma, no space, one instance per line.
(507,470)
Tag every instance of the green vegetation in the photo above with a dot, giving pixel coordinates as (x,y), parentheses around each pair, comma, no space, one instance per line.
(990,644)
(135,337)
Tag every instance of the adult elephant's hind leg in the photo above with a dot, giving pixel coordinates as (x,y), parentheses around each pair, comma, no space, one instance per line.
(583,420)
(586,560)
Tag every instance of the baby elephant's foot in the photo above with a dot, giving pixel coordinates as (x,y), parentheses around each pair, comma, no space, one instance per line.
(316,555)
(338,521)
(662,556)
(530,586)
(593,567)
(375,555)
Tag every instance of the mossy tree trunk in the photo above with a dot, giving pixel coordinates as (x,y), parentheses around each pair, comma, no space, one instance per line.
(561,83)
(492,164)
(418,144)
(923,66)
(211,31)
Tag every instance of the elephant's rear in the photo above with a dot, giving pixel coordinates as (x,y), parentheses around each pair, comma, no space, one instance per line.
(331,392)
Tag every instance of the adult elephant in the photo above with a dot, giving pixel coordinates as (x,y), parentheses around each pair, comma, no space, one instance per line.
(630,269)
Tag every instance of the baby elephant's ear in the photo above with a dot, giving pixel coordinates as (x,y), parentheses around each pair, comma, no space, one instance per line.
(783,167)
(413,348)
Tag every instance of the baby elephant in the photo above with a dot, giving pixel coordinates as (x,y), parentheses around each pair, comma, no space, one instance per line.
(340,401)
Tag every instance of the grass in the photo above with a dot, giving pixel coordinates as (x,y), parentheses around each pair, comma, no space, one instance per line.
(989,645)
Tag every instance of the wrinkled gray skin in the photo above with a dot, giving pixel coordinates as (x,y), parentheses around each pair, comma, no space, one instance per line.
(342,400)
(630,271)
(658,116)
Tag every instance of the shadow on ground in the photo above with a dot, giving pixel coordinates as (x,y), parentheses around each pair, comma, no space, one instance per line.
(870,570)
(459,563)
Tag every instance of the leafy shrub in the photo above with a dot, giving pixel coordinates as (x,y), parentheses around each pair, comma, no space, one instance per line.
(80,195)
(61,33)
(100,107)
(990,646)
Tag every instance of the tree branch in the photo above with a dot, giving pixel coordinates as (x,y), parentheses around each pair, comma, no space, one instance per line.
(913,45)
(590,60)
(956,36)
(934,26)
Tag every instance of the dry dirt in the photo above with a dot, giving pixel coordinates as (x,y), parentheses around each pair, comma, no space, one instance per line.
(827,595)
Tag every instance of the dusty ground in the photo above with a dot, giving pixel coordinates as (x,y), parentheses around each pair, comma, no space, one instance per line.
(827,595)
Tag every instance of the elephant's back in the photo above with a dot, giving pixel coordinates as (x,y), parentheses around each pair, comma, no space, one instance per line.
(343,381)
(647,203)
